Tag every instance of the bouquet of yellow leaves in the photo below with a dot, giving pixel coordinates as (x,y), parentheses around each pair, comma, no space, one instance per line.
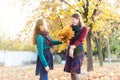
(66,34)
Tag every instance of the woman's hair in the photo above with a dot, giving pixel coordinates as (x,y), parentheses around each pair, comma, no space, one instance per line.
(37,30)
(77,16)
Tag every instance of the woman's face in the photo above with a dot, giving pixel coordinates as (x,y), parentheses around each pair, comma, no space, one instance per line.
(74,21)
(43,28)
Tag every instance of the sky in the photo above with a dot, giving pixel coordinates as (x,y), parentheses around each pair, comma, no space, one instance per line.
(111,1)
(12,18)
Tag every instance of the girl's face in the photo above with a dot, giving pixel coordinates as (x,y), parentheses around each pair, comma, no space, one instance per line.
(43,28)
(74,21)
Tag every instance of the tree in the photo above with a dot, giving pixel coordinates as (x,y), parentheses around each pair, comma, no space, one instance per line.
(96,14)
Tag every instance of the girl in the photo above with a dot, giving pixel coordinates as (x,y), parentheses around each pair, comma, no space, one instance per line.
(43,43)
(75,52)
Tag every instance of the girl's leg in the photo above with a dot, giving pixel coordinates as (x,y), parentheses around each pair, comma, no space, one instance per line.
(44,76)
(74,76)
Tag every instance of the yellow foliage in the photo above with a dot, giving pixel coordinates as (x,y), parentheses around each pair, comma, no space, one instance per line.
(66,34)
(85,46)
(80,3)
(118,38)
(62,47)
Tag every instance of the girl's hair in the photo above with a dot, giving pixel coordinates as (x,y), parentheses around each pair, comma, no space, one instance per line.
(37,30)
(77,16)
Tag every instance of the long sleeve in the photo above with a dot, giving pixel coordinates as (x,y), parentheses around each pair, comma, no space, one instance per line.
(55,42)
(39,42)
(81,37)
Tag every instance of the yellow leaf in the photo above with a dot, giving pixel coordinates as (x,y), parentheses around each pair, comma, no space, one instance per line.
(66,34)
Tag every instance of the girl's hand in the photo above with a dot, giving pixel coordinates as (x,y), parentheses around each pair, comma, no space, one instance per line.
(71,51)
(47,68)
(73,47)
(68,42)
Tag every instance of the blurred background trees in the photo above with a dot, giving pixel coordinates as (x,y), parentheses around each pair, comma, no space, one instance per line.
(101,17)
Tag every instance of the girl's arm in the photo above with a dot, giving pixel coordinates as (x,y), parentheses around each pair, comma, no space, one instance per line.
(39,44)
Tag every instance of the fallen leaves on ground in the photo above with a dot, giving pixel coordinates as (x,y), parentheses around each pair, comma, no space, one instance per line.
(111,71)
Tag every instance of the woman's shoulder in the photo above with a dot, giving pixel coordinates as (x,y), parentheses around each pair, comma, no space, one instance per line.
(85,28)
(39,36)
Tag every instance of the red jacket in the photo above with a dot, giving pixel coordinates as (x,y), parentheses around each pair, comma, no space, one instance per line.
(81,37)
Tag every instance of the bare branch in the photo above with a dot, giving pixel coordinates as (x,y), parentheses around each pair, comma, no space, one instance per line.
(70,5)
(96,9)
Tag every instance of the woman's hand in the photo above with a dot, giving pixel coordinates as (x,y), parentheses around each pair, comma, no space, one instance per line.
(71,51)
(47,68)
(72,47)
(68,42)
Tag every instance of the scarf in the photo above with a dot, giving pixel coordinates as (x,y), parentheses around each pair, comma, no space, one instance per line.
(77,31)
(45,34)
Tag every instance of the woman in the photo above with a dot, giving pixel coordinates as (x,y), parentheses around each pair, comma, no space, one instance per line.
(43,43)
(75,52)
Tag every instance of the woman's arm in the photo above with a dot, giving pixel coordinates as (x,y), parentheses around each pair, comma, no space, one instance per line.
(55,42)
(81,37)
(39,44)
(78,42)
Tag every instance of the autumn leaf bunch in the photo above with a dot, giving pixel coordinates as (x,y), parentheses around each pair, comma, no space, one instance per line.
(66,34)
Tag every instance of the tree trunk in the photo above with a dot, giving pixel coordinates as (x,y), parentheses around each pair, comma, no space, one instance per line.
(104,54)
(100,49)
(108,50)
(89,52)
(108,46)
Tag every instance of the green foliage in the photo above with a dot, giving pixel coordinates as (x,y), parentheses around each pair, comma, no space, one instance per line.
(115,41)
(15,44)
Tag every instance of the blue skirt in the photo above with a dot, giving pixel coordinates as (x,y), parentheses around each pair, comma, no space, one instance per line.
(74,64)
(49,58)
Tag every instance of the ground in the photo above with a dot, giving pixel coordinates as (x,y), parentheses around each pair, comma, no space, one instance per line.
(110,71)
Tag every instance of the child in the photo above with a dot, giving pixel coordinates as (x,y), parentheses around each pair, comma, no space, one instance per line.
(75,52)
(43,42)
